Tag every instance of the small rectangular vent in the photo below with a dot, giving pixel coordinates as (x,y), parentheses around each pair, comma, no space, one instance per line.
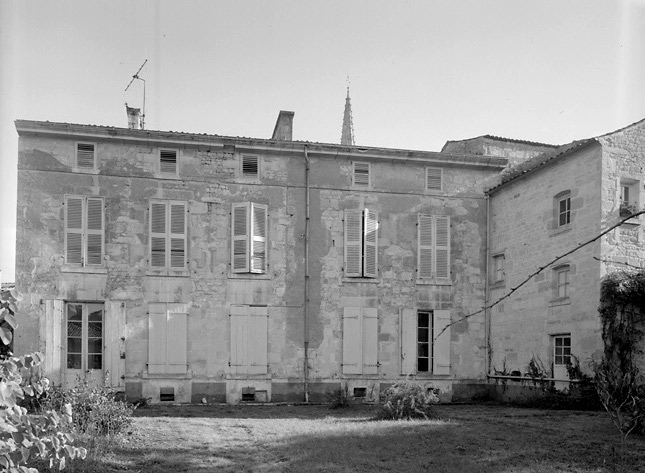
(248,394)
(361,174)
(85,155)
(360,392)
(167,394)
(249,166)
(168,161)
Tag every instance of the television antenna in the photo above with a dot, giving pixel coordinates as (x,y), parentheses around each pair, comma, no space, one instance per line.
(136,77)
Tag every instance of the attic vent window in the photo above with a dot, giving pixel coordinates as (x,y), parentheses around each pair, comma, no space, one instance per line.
(434,179)
(168,161)
(250,166)
(362,174)
(85,155)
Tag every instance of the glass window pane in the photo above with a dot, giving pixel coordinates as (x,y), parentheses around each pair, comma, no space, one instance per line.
(74,361)
(74,345)
(95,329)
(423,364)
(74,329)
(423,319)
(74,312)
(422,335)
(94,345)
(95,362)
(423,350)
(96,315)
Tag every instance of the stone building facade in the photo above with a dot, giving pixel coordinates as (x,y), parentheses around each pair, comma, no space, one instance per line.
(189,267)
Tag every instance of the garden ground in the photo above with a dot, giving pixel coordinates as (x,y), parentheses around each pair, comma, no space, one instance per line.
(466,438)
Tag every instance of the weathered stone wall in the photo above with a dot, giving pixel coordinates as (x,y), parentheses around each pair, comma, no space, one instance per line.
(515,151)
(209,181)
(524,230)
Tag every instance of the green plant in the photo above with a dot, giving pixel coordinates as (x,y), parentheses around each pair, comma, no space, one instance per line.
(339,398)
(98,417)
(8,309)
(407,400)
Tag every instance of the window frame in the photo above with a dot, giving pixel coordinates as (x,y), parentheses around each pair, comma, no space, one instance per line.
(366,171)
(77,166)
(629,203)
(84,231)
(564,348)
(168,235)
(428,178)
(439,345)
(562,283)
(499,268)
(85,349)
(361,229)
(250,237)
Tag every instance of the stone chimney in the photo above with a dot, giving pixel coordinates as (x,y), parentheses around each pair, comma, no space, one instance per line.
(134,122)
(283,130)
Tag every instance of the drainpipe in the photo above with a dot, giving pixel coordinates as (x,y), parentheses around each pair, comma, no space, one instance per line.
(487,324)
(306,301)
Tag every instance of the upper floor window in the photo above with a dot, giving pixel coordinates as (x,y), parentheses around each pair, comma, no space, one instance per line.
(84,230)
(434,179)
(249,238)
(361,243)
(629,197)
(251,167)
(361,174)
(562,282)
(564,211)
(86,155)
(168,161)
(168,235)
(498,268)
(433,247)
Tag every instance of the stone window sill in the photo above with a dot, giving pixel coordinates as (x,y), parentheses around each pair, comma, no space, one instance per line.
(434,282)
(69,268)
(184,273)
(558,302)
(498,284)
(363,280)
(559,230)
(249,276)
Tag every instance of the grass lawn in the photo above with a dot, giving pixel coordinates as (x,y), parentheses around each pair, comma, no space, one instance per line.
(318,439)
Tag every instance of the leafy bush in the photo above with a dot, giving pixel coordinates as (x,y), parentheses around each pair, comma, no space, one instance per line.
(407,400)
(339,398)
(98,417)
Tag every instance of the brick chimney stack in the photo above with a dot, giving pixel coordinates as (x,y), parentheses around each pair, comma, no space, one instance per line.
(283,130)
(134,122)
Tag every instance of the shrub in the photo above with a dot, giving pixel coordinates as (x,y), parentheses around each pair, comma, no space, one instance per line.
(339,398)
(98,418)
(407,400)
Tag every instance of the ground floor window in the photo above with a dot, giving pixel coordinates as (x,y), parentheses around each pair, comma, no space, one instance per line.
(84,338)
(424,341)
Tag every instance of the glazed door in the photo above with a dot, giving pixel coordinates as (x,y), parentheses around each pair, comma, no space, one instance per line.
(84,342)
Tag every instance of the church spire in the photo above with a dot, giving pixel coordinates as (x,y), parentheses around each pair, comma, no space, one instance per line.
(347,135)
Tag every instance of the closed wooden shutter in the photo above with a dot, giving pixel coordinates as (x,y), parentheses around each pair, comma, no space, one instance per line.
(114,342)
(240,238)
(408,334)
(370,340)
(94,248)
(158,235)
(74,230)
(353,243)
(442,247)
(434,178)
(425,246)
(352,340)
(239,339)
(177,235)
(370,259)
(258,244)
(441,354)
(257,340)
(177,338)
(157,336)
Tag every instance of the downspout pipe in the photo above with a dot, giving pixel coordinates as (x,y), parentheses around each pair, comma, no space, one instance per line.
(487,313)
(306,298)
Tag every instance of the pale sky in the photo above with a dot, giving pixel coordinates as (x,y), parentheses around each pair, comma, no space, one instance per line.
(421,71)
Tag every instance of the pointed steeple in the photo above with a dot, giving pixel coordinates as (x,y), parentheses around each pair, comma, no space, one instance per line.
(347,135)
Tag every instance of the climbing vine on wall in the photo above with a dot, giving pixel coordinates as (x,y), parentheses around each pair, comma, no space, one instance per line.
(620,385)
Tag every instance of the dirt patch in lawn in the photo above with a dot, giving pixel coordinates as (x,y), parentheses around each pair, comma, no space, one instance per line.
(319,439)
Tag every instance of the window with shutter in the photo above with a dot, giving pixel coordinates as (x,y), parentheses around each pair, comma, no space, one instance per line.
(361,243)
(425,341)
(168,240)
(85,155)
(84,228)
(248,337)
(250,167)
(361,174)
(433,247)
(249,242)
(360,340)
(434,178)
(168,161)
(167,338)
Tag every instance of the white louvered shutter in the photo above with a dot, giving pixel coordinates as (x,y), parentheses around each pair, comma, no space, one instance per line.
(442,247)
(408,334)
(94,231)
(257,340)
(353,243)
(85,155)
(158,235)
(370,340)
(370,248)
(441,354)
(239,339)
(74,230)
(177,236)
(177,338)
(352,340)
(434,178)
(240,237)
(425,247)
(258,244)
(157,336)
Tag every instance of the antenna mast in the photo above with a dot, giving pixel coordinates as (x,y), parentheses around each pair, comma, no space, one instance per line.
(136,76)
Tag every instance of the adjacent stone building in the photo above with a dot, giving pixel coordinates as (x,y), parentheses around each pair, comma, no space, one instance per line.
(189,267)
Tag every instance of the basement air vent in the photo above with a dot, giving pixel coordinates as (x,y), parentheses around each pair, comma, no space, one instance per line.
(248,394)
(167,394)
(360,392)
